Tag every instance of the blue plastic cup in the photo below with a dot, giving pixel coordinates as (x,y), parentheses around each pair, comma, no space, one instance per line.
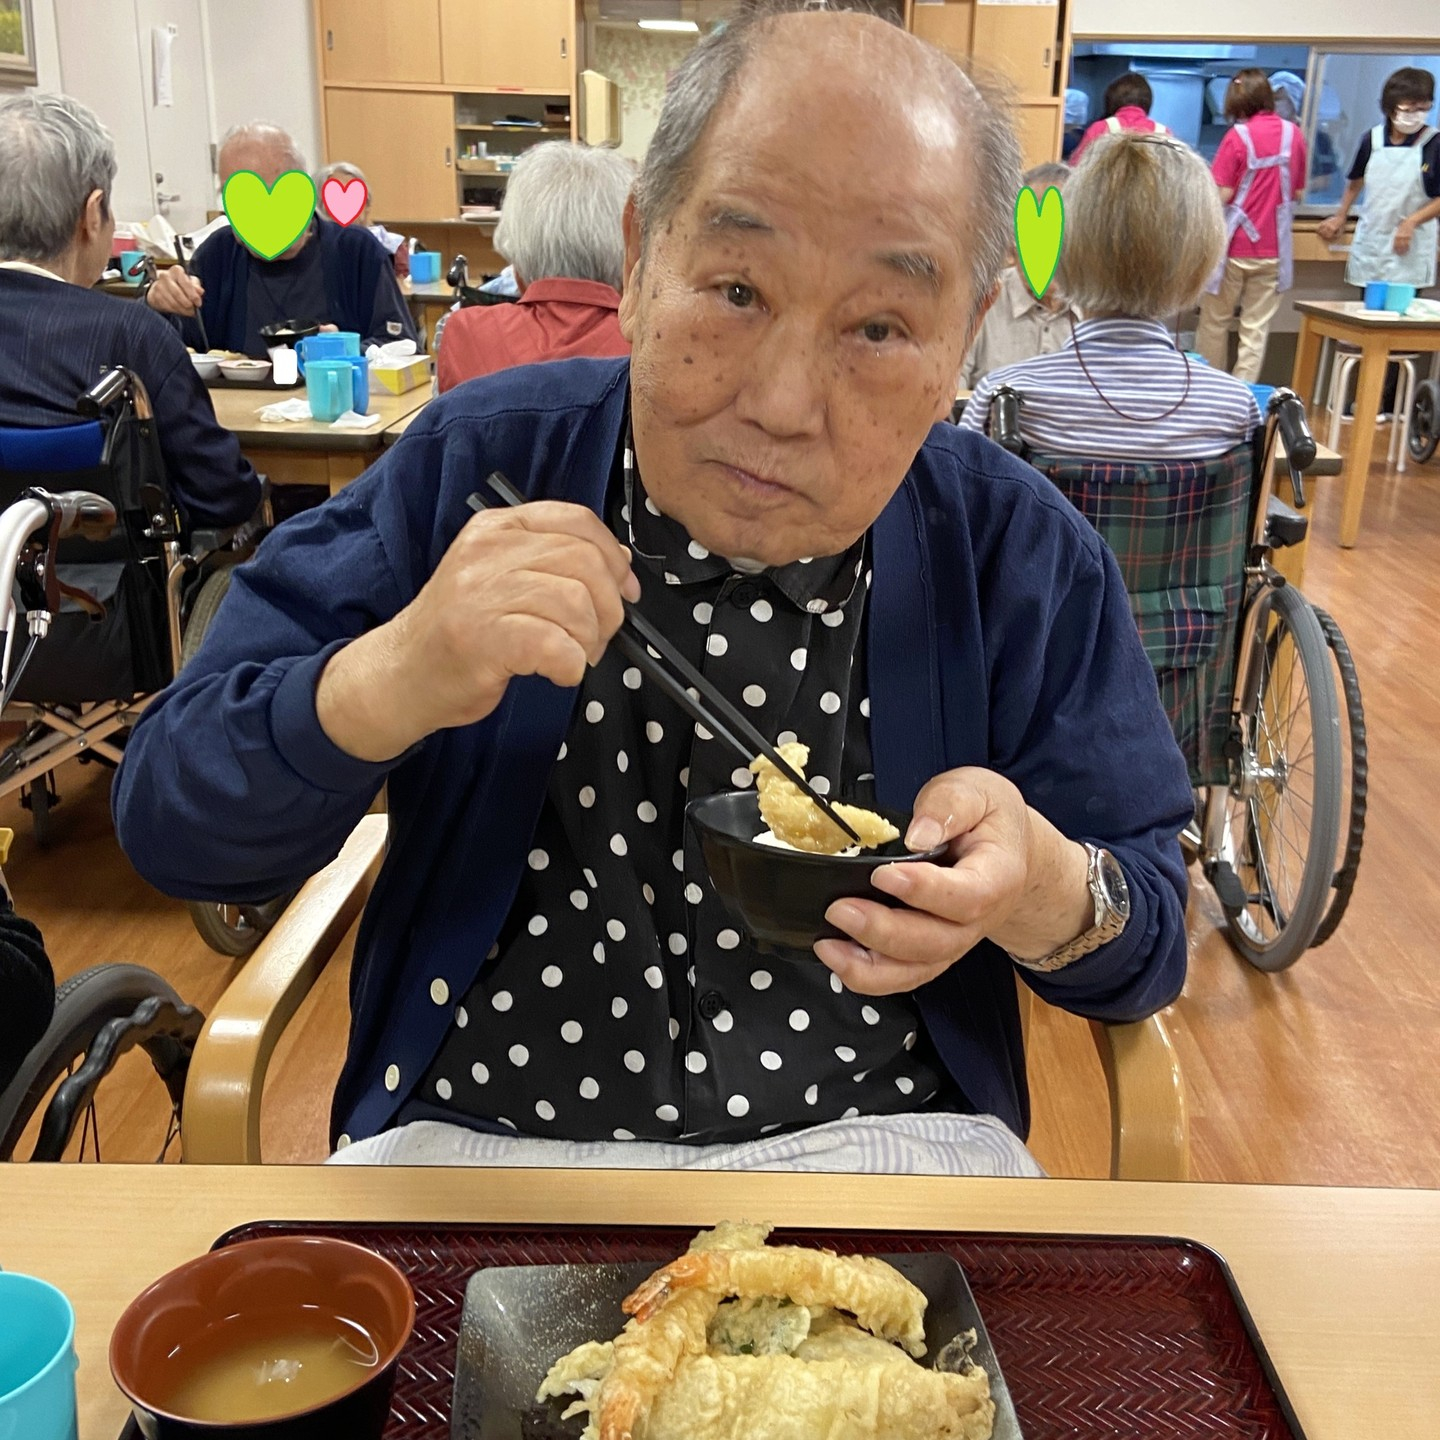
(37,1361)
(1398,297)
(332,345)
(1375,293)
(360,384)
(425,267)
(330,388)
(129,258)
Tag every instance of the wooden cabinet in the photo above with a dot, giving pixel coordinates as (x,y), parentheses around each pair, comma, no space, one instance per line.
(1022,42)
(380,41)
(509,44)
(949,26)
(1038,129)
(403,141)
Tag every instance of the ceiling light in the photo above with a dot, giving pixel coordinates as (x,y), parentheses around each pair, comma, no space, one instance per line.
(681,27)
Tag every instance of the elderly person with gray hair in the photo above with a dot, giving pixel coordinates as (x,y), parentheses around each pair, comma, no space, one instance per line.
(339,277)
(562,230)
(397,247)
(766,483)
(1143,233)
(57,335)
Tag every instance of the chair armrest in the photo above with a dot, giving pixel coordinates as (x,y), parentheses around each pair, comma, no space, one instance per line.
(220,1122)
(1149,1122)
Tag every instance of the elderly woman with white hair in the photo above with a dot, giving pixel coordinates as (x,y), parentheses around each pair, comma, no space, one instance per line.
(562,230)
(1143,233)
(397,247)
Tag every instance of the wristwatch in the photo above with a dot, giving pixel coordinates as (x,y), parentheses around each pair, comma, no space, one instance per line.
(1112,909)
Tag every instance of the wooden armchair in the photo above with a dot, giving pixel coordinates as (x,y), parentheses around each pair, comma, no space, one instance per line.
(221,1119)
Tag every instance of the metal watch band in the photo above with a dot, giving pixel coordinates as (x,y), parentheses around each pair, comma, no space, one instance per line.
(1109,927)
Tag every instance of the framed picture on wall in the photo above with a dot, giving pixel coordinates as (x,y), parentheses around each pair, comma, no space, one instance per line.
(17,43)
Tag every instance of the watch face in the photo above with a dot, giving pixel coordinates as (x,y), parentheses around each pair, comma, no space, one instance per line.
(1112,878)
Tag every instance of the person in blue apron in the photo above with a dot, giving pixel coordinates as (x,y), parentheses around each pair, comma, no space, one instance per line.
(1259,167)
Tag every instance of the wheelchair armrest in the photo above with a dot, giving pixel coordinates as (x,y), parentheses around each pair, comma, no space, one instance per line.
(1284,525)
(221,1118)
(244,536)
(1149,1120)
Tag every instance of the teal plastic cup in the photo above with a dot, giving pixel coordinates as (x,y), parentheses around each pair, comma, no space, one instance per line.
(37,1361)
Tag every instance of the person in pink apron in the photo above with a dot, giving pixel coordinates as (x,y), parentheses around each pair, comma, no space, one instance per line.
(1260,167)
(1128,99)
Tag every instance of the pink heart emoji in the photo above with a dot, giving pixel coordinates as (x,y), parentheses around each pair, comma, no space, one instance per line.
(343,202)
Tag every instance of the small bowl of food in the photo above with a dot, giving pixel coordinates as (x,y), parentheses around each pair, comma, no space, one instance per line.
(207,367)
(778,862)
(246,371)
(290,1337)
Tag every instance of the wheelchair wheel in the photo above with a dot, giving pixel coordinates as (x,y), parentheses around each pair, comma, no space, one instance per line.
(1355,770)
(1282,828)
(202,612)
(99,1015)
(1425,421)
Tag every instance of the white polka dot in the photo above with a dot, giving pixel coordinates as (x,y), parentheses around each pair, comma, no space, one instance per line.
(493,951)
(817,607)
(697,551)
(835,983)
(481,1073)
(667,1113)
(631,679)
(724,1022)
(761,979)
(618,845)
(599,953)
(594,712)
(504,1121)
(647,812)
(502,1000)
(910,1040)
(654,976)
(798,658)
(674,1028)
(819,784)
(538,859)
(564,751)
(690,974)
(519,1055)
(904,1084)
(615,929)
(648,893)
(622,761)
(695,1063)
(869,576)
(579,899)
(589,1090)
(676,942)
(442,1088)
(590,879)
(834,618)
(619,1008)
(685,778)
(702,733)
(844,1054)
(625,513)
(786,737)
(654,731)
(738,1106)
(761,610)
(771,1129)
(716,645)
(799,1020)
(703,613)
(740,777)
(544,1109)
(587,796)
(678,861)
(551,976)
(770,1060)
(462,1017)
(623,1134)
(812,1094)
(571,1032)
(808,560)
(439,992)
(694,894)
(538,925)
(850,1113)
(671,578)
(727,939)
(650,506)
(753,695)
(342,1141)
(830,702)
(634,1061)
(392,1078)
(870,1015)
(865,707)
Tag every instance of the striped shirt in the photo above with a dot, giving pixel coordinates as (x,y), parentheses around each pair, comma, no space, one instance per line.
(1135,364)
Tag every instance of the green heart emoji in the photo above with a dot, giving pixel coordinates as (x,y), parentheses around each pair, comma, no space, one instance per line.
(269,219)
(1039,227)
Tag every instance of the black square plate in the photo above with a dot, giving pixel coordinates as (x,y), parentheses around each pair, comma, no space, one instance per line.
(520,1319)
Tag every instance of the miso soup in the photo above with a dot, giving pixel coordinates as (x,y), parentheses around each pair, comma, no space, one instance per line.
(260,1367)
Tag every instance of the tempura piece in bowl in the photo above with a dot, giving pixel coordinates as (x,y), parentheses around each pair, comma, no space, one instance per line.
(796,820)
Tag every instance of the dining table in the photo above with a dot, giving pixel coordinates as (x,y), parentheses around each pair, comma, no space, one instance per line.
(1342,1285)
(1376,334)
(428,301)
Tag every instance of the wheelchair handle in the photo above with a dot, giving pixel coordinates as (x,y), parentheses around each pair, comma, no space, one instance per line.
(1289,412)
(104,392)
(458,274)
(1005,419)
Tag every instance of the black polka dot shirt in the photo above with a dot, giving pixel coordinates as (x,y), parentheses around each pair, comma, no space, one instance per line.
(621,1000)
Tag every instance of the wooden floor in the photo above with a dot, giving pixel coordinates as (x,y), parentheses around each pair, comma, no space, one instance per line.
(1323,1075)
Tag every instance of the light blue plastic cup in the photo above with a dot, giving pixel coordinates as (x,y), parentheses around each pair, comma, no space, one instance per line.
(330,389)
(425,267)
(1399,297)
(129,259)
(37,1361)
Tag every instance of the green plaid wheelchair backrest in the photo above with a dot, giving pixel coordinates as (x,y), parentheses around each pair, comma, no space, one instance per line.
(1179,530)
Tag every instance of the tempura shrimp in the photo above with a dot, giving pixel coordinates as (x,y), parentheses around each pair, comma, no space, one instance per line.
(797,820)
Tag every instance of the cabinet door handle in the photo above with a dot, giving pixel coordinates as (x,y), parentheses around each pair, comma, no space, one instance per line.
(1046,61)
(564,48)
(329,39)
(447,157)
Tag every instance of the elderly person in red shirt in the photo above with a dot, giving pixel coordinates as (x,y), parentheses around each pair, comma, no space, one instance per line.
(562,230)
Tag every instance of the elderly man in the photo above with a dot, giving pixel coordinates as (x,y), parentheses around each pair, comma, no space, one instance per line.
(544,952)
(562,230)
(340,278)
(57,335)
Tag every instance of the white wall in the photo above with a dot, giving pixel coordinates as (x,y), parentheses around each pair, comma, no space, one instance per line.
(47,45)
(1245,20)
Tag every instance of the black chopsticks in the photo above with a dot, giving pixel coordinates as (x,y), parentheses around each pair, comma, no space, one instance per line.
(686,686)
(199,316)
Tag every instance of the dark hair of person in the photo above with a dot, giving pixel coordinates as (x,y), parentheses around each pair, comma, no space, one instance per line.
(1128,89)
(1249,94)
(1409,86)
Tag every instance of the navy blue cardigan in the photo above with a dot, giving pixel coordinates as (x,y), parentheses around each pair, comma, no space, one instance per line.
(999,635)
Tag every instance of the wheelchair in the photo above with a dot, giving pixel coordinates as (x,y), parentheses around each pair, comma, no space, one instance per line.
(1251,674)
(457,277)
(1424,436)
(128,599)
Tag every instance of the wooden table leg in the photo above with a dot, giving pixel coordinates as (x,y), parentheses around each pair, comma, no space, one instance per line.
(347,467)
(1373,355)
(1307,361)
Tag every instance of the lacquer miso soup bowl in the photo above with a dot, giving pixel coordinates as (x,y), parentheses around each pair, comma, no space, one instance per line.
(779,896)
(282,1338)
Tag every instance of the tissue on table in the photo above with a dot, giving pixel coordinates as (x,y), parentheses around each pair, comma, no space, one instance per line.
(397,367)
(350,420)
(285,411)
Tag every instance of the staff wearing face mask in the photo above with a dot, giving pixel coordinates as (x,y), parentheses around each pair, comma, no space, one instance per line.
(1398,164)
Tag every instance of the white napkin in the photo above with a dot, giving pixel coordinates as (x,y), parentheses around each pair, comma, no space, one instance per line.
(351,421)
(392,353)
(285,410)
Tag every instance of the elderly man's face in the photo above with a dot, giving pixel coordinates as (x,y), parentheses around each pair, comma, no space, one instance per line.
(269,161)
(798,324)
